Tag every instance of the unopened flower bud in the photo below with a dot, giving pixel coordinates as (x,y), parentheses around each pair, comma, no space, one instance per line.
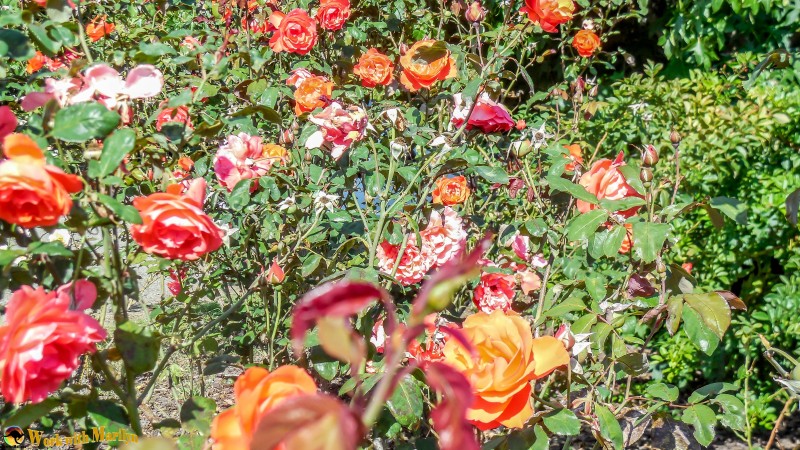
(475,12)
(646,174)
(287,137)
(675,137)
(650,156)
(564,334)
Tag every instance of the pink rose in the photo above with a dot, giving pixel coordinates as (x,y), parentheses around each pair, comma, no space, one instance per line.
(41,343)
(487,116)
(444,238)
(244,157)
(494,291)
(412,266)
(339,128)
(605,181)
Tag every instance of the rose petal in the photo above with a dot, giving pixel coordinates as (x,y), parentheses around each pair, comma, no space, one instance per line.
(144,81)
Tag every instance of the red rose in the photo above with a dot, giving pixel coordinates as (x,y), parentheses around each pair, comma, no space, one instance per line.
(549,14)
(332,14)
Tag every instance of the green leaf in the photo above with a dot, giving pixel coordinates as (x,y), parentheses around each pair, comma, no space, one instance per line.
(54,248)
(197,413)
(492,174)
(733,415)
(609,426)
(622,204)
(562,422)
(662,391)
(633,363)
(731,207)
(648,238)
(84,121)
(582,225)
(310,264)
(125,212)
(703,419)
(39,35)
(115,147)
(571,188)
(106,413)
(139,346)
(8,256)
(596,286)
(239,197)
(712,309)
(406,403)
(15,45)
(30,413)
(708,390)
(59,10)
(614,241)
(698,332)
(674,314)
(471,89)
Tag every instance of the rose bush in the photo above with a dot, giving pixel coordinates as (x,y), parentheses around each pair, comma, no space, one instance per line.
(384,221)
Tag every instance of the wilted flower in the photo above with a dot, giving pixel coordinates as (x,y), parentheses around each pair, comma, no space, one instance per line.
(539,137)
(339,127)
(323,201)
(287,203)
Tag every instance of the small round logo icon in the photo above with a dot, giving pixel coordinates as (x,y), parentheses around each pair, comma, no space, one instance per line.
(13,436)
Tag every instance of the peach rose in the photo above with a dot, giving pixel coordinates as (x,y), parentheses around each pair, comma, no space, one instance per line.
(174,115)
(98,28)
(575,155)
(244,157)
(451,191)
(494,291)
(311,91)
(174,225)
(339,127)
(374,68)
(32,192)
(425,63)
(549,14)
(256,391)
(586,42)
(508,359)
(605,181)
(295,32)
(42,341)
(332,14)
(487,116)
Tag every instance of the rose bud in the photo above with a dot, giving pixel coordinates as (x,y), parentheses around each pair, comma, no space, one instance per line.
(475,12)
(675,137)
(564,334)
(646,174)
(287,137)
(650,156)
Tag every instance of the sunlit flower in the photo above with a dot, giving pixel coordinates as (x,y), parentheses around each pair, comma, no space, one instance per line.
(494,291)
(287,203)
(244,157)
(324,201)
(339,128)
(487,115)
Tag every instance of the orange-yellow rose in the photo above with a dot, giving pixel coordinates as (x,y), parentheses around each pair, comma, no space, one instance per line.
(425,63)
(586,42)
(508,359)
(309,90)
(295,32)
(98,28)
(451,191)
(256,391)
(549,14)
(605,181)
(32,192)
(374,68)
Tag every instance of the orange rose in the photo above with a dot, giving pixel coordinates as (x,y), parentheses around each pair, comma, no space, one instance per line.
(575,156)
(310,92)
(295,32)
(99,28)
(37,62)
(33,193)
(332,14)
(425,63)
(605,181)
(586,42)
(451,191)
(256,391)
(174,225)
(374,68)
(549,14)
(508,359)
(176,115)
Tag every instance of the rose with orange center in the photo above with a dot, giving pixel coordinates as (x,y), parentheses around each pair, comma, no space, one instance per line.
(174,225)
(295,32)
(507,359)
(374,68)
(586,42)
(605,181)
(98,28)
(32,192)
(451,191)
(575,156)
(549,14)
(332,14)
(256,392)
(311,91)
(425,63)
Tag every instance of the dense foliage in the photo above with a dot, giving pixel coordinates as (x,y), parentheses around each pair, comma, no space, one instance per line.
(399,224)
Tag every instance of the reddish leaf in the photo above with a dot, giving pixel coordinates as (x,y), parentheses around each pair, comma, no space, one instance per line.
(450,414)
(308,422)
(639,286)
(437,292)
(733,300)
(337,299)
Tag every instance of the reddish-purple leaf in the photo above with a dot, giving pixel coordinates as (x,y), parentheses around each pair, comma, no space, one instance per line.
(450,414)
(308,422)
(437,292)
(336,299)
(733,300)
(639,286)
